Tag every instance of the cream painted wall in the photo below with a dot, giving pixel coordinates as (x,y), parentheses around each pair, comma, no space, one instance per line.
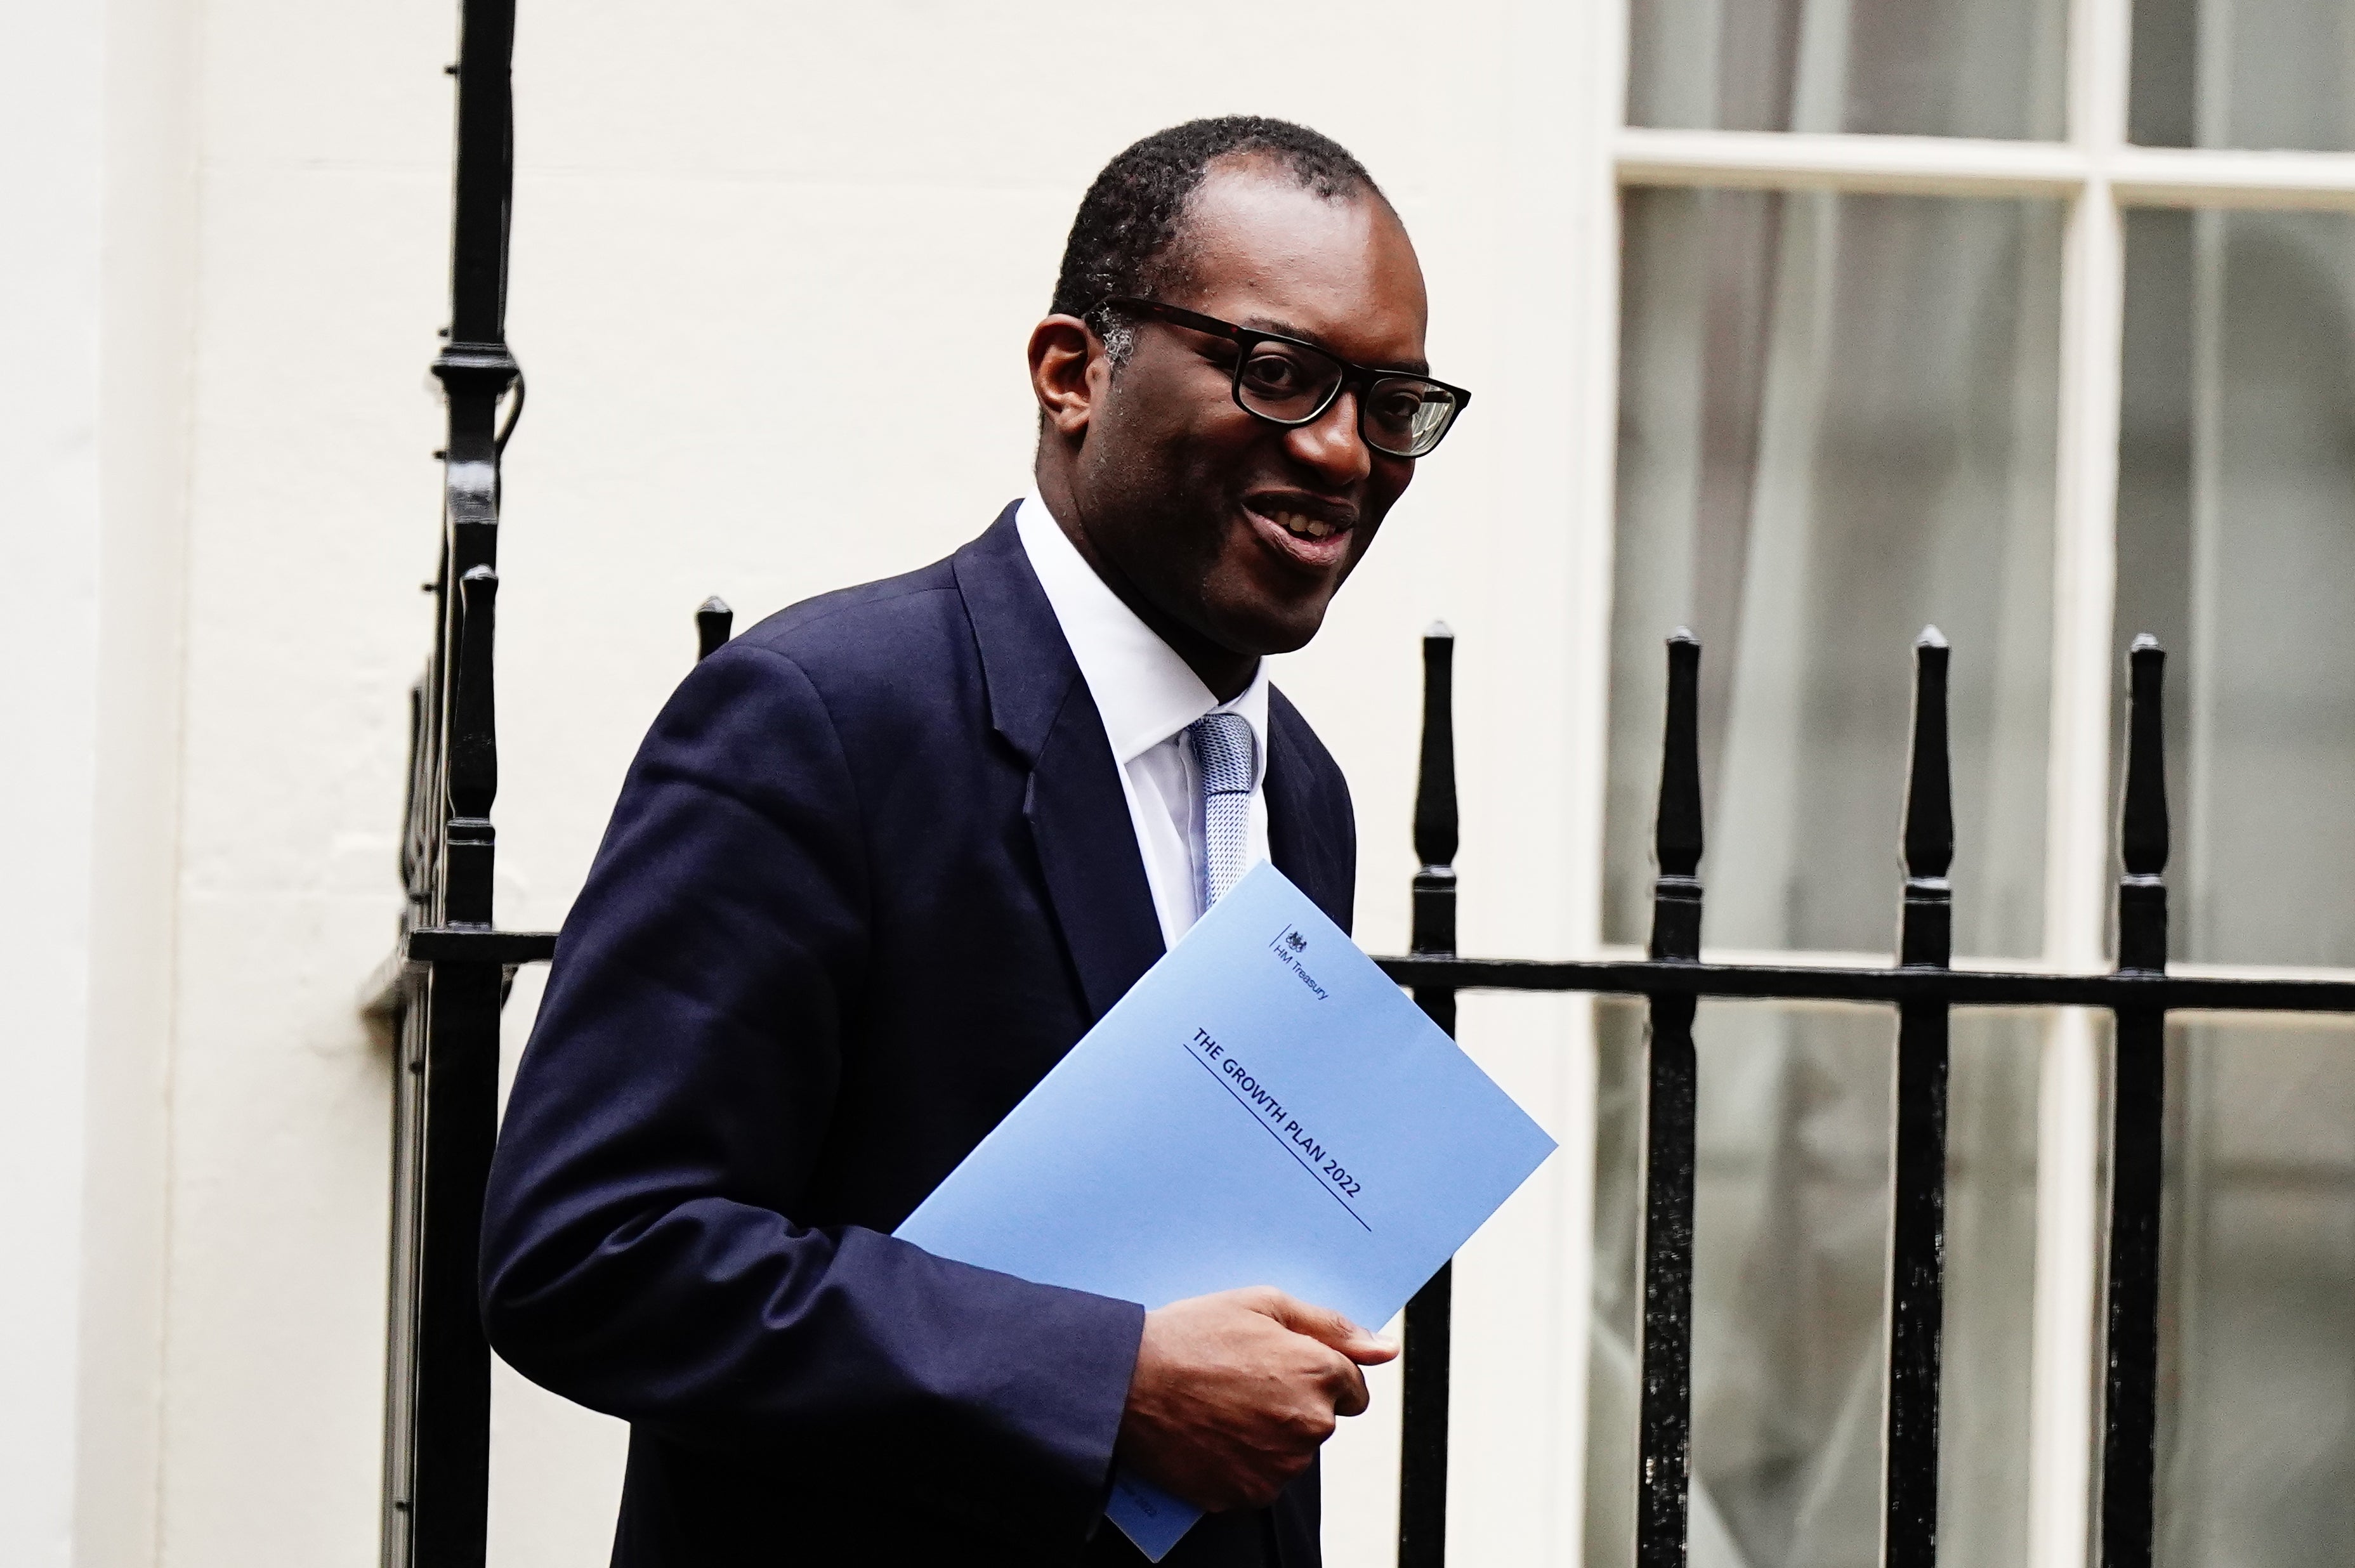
(95,280)
(774,265)
(52,165)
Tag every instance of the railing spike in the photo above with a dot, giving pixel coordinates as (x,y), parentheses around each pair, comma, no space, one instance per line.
(1435,818)
(2143,837)
(1677,831)
(1929,836)
(713,622)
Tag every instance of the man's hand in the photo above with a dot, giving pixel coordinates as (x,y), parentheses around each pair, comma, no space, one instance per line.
(1233,1394)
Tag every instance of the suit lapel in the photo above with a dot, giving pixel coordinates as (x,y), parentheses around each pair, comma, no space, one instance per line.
(1087,848)
(1077,811)
(1299,837)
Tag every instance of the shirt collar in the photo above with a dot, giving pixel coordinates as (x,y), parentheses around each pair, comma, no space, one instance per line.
(1143,691)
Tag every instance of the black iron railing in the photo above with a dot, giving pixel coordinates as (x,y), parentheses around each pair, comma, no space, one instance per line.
(443,987)
(1923,988)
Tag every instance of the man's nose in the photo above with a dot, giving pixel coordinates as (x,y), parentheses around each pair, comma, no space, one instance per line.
(1330,443)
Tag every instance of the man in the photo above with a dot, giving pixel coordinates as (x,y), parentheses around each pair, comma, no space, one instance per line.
(886,856)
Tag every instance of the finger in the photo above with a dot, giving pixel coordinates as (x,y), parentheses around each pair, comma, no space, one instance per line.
(1268,1474)
(1329,1328)
(1350,1396)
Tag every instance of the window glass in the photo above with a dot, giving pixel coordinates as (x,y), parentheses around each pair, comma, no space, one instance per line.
(2236,546)
(2257,1443)
(1924,68)
(1837,425)
(2244,73)
(1790,1295)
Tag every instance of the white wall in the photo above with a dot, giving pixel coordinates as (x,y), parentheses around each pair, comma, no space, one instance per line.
(95,170)
(52,163)
(774,267)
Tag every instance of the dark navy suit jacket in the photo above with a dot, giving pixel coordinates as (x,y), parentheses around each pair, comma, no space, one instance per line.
(870,876)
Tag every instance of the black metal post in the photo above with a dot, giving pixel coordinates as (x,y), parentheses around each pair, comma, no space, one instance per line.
(1918,1206)
(1665,1417)
(1423,1418)
(450,1455)
(2129,1409)
(445,1103)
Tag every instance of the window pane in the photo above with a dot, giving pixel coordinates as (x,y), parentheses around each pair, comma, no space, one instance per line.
(1837,425)
(1922,68)
(2236,545)
(1791,1227)
(2257,1453)
(2244,73)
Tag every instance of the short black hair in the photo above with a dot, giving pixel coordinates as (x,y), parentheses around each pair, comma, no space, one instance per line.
(1131,218)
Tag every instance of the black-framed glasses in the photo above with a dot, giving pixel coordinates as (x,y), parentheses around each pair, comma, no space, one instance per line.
(1286,382)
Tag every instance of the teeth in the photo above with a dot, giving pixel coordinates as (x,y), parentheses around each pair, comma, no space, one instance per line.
(1305,528)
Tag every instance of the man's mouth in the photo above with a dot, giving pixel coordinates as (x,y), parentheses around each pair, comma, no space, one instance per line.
(1302,526)
(1315,534)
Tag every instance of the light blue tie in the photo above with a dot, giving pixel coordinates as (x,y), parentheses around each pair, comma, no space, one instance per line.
(1223,755)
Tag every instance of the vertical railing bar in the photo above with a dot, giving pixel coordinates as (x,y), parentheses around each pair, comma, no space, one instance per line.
(450,1370)
(1665,1416)
(437,1438)
(713,622)
(1430,1316)
(2129,1405)
(1917,1237)
(449,1500)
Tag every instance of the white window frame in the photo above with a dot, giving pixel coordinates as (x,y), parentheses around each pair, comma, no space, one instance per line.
(2099,176)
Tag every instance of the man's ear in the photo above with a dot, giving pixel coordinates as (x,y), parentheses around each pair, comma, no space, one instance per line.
(1064,356)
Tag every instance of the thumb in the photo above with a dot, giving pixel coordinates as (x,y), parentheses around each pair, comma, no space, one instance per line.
(1330,1328)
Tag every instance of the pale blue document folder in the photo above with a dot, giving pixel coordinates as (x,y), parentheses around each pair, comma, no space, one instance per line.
(1264,1107)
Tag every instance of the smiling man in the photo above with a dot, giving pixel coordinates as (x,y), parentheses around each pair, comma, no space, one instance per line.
(886,856)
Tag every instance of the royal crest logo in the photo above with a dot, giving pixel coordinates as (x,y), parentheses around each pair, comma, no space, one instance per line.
(1294,941)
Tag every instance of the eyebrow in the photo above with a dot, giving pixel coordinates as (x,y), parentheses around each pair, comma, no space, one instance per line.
(1270,324)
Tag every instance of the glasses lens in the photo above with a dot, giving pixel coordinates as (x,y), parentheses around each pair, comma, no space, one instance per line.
(1286,382)
(1406,417)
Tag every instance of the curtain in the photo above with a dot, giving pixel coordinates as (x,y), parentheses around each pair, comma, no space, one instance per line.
(2243,73)
(1792,1215)
(1838,419)
(1917,67)
(1837,425)
(2236,545)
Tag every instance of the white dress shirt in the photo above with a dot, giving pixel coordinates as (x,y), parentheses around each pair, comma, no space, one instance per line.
(1146,695)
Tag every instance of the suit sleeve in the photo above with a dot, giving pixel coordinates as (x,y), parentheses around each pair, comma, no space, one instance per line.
(639,1250)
